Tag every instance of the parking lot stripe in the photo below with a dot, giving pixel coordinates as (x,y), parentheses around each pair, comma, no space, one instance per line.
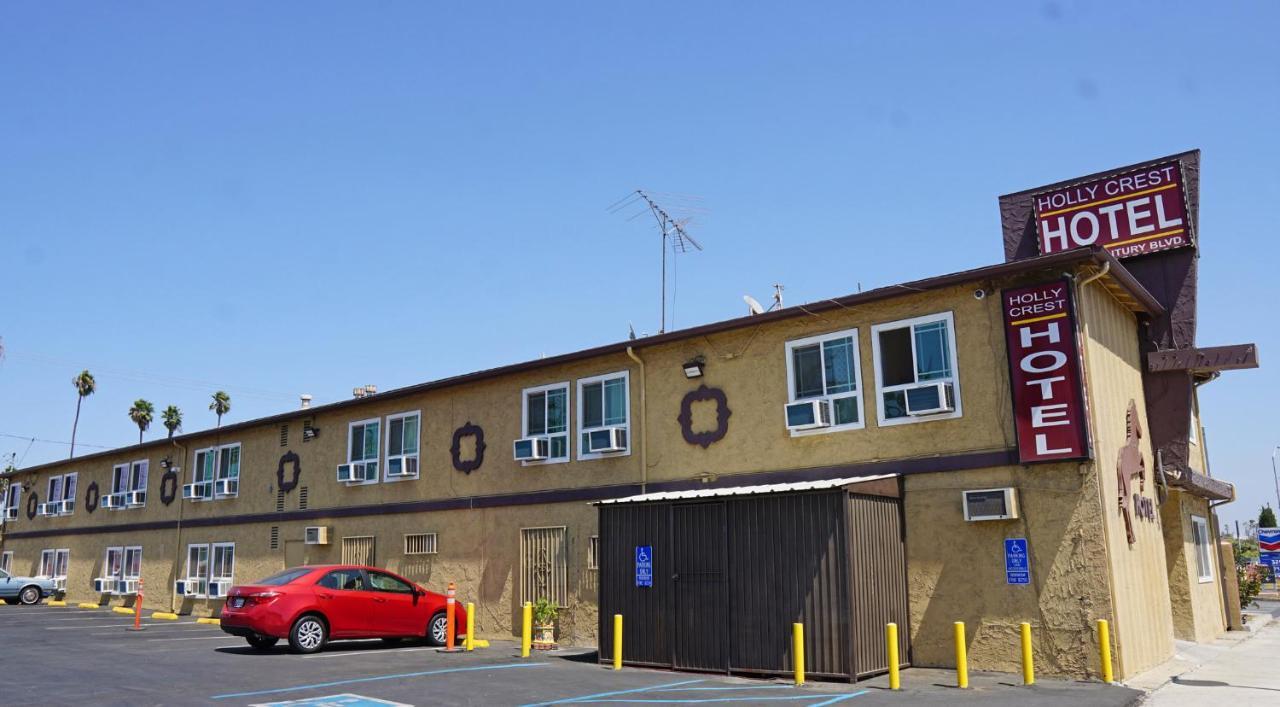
(375,678)
(221,637)
(840,699)
(586,698)
(369,652)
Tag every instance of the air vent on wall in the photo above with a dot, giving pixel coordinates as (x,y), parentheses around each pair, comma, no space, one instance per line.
(275,537)
(279,501)
(284,435)
(302,498)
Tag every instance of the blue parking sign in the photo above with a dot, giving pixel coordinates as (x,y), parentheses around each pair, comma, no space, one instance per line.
(644,565)
(1017,562)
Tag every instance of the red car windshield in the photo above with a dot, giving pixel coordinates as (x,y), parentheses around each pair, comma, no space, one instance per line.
(284,577)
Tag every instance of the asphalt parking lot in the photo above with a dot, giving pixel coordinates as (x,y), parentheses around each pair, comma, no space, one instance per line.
(69,656)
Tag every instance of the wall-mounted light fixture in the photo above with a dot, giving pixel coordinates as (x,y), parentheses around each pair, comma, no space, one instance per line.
(693,367)
(164,463)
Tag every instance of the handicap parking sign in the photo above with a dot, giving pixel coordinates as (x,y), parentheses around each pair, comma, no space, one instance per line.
(1017,563)
(644,565)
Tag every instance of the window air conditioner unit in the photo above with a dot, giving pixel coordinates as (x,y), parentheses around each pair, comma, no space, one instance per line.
(227,487)
(46,509)
(193,587)
(104,585)
(808,415)
(355,472)
(532,449)
(11,513)
(931,399)
(316,535)
(199,491)
(126,587)
(137,498)
(218,588)
(180,588)
(66,506)
(113,501)
(990,504)
(609,439)
(60,584)
(399,467)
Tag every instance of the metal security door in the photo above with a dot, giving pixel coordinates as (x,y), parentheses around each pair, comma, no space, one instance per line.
(701,628)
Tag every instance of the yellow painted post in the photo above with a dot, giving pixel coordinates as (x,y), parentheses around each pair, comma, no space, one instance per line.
(797,650)
(470,642)
(962,658)
(526,629)
(891,648)
(617,641)
(1028,667)
(1104,646)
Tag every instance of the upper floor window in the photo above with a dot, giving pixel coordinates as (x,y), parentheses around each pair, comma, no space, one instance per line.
(604,405)
(402,445)
(916,370)
(824,374)
(128,485)
(362,453)
(216,473)
(545,425)
(1204,553)
(11,503)
(62,495)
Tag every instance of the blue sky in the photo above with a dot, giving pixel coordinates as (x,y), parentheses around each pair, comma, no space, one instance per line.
(303,197)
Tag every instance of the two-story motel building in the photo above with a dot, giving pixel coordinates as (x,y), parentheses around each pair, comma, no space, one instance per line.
(915,380)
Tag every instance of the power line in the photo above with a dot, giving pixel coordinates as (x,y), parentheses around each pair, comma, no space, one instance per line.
(51,441)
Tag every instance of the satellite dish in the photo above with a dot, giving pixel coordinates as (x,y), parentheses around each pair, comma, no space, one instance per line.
(752,304)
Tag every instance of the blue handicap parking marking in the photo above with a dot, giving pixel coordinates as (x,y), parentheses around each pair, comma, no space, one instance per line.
(1017,563)
(343,700)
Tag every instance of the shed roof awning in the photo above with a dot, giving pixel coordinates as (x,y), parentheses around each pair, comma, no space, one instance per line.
(746,490)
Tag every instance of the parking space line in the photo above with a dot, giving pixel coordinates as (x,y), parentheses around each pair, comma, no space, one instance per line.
(222,637)
(584,698)
(368,652)
(840,699)
(375,678)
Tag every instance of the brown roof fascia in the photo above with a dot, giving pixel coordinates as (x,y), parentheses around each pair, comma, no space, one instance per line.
(1056,261)
(1204,360)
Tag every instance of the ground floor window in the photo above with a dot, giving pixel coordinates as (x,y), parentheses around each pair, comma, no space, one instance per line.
(359,550)
(53,564)
(121,570)
(1204,554)
(210,569)
(6,561)
(544,569)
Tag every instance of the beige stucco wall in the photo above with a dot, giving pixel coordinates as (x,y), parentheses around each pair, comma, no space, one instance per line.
(1141,619)
(1198,613)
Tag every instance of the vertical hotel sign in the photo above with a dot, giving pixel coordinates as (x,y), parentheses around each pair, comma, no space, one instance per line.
(1044,372)
(1130,214)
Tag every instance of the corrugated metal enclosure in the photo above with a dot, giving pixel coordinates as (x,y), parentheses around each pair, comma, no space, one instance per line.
(734,568)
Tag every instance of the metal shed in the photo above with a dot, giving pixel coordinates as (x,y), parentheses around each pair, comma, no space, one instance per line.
(733,568)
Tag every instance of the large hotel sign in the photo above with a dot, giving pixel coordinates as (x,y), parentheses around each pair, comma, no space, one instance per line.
(1044,372)
(1135,213)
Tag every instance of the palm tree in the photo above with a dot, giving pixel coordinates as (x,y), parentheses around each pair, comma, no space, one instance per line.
(172,418)
(221,405)
(85,385)
(142,413)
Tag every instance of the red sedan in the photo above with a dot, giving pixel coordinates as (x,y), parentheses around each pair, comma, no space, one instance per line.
(310,606)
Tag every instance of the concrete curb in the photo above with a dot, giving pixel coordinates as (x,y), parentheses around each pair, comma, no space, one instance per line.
(122,610)
(55,602)
(87,605)
(167,616)
(212,622)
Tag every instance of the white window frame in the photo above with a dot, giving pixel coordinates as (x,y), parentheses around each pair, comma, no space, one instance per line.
(216,476)
(857,381)
(568,422)
(123,471)
(229,577)
(55,555)
(593,552)
(63,487)
(125,572)
(107,570)
(6,561)
(210,551)
(386,445)
(583,455)
(953,379)
(208,560)
(1193,434)
(377,457)
(1203,547)
(13,500)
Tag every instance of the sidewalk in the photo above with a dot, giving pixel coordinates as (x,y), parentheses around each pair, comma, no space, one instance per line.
(1235,670)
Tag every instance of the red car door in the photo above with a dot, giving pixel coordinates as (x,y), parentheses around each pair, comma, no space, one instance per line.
(341,594)
(398,611)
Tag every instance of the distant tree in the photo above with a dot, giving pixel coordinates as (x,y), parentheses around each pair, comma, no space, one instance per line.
(220,406)
(1266,517)
(85,385)
(142,413)
(172,418)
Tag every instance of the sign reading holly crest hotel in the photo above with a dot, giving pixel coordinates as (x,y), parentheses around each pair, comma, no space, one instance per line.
(1130,214)
(1044,369)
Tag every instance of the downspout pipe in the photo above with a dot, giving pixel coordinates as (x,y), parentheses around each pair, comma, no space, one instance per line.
(179,551)
(1106,268)
(644,422)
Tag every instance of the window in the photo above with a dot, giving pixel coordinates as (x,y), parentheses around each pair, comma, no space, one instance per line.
(386,583)
(420,544)
(54,563)
(62,494)
(349,580)
(119,480)
(1204,556)
(128,485)
(224,563)
(121,563)
(6,561)
(544,568)
(362,453)
(604,404)
(210,569)
(1192,435)
(11,504)
(359,550)
(282,578)
(593,552)
(402,446)
(826,368)
(545,415)
(217,472)
(113,564)
(909,356)
(197,570)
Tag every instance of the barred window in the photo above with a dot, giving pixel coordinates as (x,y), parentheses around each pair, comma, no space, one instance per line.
(358,550)
(420,544)
(543,565)
(593,552)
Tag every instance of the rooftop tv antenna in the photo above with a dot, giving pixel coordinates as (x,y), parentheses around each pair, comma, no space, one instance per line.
(673,230)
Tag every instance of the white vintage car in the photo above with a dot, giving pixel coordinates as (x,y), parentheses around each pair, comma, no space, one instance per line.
(25,590)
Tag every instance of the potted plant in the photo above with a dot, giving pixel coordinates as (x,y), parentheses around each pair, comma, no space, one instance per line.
(544,625)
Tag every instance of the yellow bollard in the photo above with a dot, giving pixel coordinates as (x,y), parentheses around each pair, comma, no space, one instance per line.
(962,658)
(470,642)
(797,650)
(891,648)
(617,641)
(1028,667)
(1104,645)
(526,629)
